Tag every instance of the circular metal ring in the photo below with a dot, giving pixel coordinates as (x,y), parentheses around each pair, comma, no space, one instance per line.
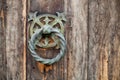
(38,33)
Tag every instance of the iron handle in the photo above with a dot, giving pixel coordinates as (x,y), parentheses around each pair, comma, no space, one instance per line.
(39,33)
(46,29)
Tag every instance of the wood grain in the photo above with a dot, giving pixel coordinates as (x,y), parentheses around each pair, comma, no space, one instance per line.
(92,32)
(35,70)
(104,40)
(2,42)
(77,38)
(14,39)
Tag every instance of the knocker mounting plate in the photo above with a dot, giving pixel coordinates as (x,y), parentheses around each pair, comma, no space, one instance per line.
(39,21)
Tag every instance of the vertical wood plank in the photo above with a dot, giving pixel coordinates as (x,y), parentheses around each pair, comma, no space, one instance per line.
(114,44)
(2,41)
(24,14)
(58,70)
(77,38)
(93,64)
(104,40)
(68,33)
(15,39)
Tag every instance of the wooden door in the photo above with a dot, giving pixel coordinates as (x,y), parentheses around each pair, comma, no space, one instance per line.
(92,32)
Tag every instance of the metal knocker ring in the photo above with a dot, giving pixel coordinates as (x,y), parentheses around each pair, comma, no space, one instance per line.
(47,30)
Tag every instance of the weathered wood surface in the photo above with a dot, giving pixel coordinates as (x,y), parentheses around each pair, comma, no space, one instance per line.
(104,40)
(2,42)
(15,24)
(77,38)
(35,70)
(92,34)
(12,24)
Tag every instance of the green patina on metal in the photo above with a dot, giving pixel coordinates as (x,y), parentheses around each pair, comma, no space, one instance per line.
(39,21)
(44,30)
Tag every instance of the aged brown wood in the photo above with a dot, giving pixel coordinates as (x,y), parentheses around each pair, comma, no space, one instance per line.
(77,37)
(12,24)
(15,25)
(92,34)
(35,70)
(104,40)
(2,42)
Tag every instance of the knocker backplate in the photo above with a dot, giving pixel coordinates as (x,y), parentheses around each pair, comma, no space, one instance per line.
(38,21)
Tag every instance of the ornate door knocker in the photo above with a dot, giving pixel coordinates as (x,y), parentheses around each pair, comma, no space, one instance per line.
(47,31)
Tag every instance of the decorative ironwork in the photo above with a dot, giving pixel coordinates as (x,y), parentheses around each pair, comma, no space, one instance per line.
(39,21)
(43,29)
